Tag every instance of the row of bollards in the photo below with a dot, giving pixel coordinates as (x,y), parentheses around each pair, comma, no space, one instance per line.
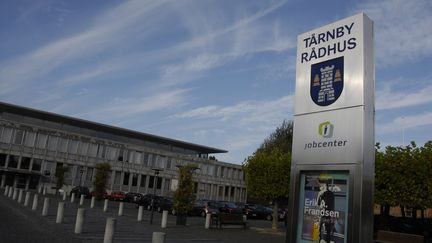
(19,196)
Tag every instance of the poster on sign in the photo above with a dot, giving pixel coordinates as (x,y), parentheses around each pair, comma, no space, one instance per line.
(324,198)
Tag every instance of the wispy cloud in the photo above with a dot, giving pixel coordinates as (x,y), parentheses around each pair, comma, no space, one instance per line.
(406,122)
(401,29)
(388,98)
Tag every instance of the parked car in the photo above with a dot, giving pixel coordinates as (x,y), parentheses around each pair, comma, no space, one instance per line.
(103,195)
(145,201)
(163,203)
(132,197)
(203,207)
(81,190)
(229,207)
(117,196)
(256,211)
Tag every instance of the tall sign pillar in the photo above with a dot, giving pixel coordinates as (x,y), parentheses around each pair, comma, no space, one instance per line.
(333,157)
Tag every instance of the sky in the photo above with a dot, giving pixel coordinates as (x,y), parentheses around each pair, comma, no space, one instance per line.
(219,73)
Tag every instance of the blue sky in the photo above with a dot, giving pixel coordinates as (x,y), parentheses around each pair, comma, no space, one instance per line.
(219,73)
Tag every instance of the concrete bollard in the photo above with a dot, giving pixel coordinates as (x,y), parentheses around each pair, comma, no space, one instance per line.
(11,189)
(27,199)
(79,220)
(109,230)
(20,196)
(120,211)
(45,207)
(105,208)
(140,213)
(35,201)
(164,219)
(39,190)
(158,237)
(15,194)
(64,195)
(207,221)
(92,203)
(44,191)
(60,211)
(81,200)
(6,190)
(73,197)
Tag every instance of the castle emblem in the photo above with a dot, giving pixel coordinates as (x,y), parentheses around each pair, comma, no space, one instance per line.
(327,81)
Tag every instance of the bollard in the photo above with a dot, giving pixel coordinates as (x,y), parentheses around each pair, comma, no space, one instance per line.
(158,237)
(140,213)
(6,190)
(20,196)
(15,194)
(109,230)
(164,219)
(64,195)
(92,203)
(120,211)
(45,207)
(39,190)
(35,201)
(207,221)
(60,210)
(79,220)
(44,191)
(73,197)
(27,199)
(105,208)
(81,200)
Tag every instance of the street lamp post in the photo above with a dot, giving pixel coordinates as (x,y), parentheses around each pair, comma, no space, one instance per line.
(156,171)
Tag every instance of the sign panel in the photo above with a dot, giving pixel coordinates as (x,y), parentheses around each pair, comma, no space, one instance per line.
(329,137)
(330,66)
(324,206)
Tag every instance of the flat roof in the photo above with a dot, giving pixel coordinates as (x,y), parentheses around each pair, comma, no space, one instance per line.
(43,115)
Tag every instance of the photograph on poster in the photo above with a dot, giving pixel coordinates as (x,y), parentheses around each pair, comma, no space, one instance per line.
(324,207)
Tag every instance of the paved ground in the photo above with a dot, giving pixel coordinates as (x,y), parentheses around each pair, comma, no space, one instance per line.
(21,224)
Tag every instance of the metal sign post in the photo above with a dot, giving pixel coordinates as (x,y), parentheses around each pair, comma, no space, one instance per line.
(332,171)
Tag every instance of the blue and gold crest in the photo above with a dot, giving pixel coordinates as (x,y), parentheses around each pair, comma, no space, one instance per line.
(327,79)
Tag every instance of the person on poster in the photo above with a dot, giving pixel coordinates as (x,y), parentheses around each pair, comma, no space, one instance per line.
(326,201)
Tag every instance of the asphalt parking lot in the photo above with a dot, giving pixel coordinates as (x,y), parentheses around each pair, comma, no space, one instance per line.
(22,224)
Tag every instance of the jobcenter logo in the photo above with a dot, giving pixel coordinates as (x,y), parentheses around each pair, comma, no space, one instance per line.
(325,130)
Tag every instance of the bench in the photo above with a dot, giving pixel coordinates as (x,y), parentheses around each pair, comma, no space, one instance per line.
(231,219)
(396,237)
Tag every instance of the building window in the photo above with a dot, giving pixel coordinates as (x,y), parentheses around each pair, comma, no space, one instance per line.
(3,159)
(83,148)
(89,175)
(130,156)
(167,184)
(151,182)
(117,178)
(145,159)
(159,183)
(93,149)
(53,142)
(29,139)
(111,153)
(126,179)
(19,135)
(73,146)
(138,157)
(62,144)
(101,151)
(195,187)
(37,163)
(41,140)
(25,163)
(120,156)
(13,161)
(6,135)
(134,180)
(168,165)
(143,181)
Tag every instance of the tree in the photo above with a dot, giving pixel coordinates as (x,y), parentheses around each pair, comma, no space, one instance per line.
(60,175)
(184,196)
(100,179)
(268,169)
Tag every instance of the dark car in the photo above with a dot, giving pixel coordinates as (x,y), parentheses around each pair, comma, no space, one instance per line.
(132,197)
(256,211)
(163,203)
(203,207)
(145,201)
(229,207)
(103,195)
(81,190)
